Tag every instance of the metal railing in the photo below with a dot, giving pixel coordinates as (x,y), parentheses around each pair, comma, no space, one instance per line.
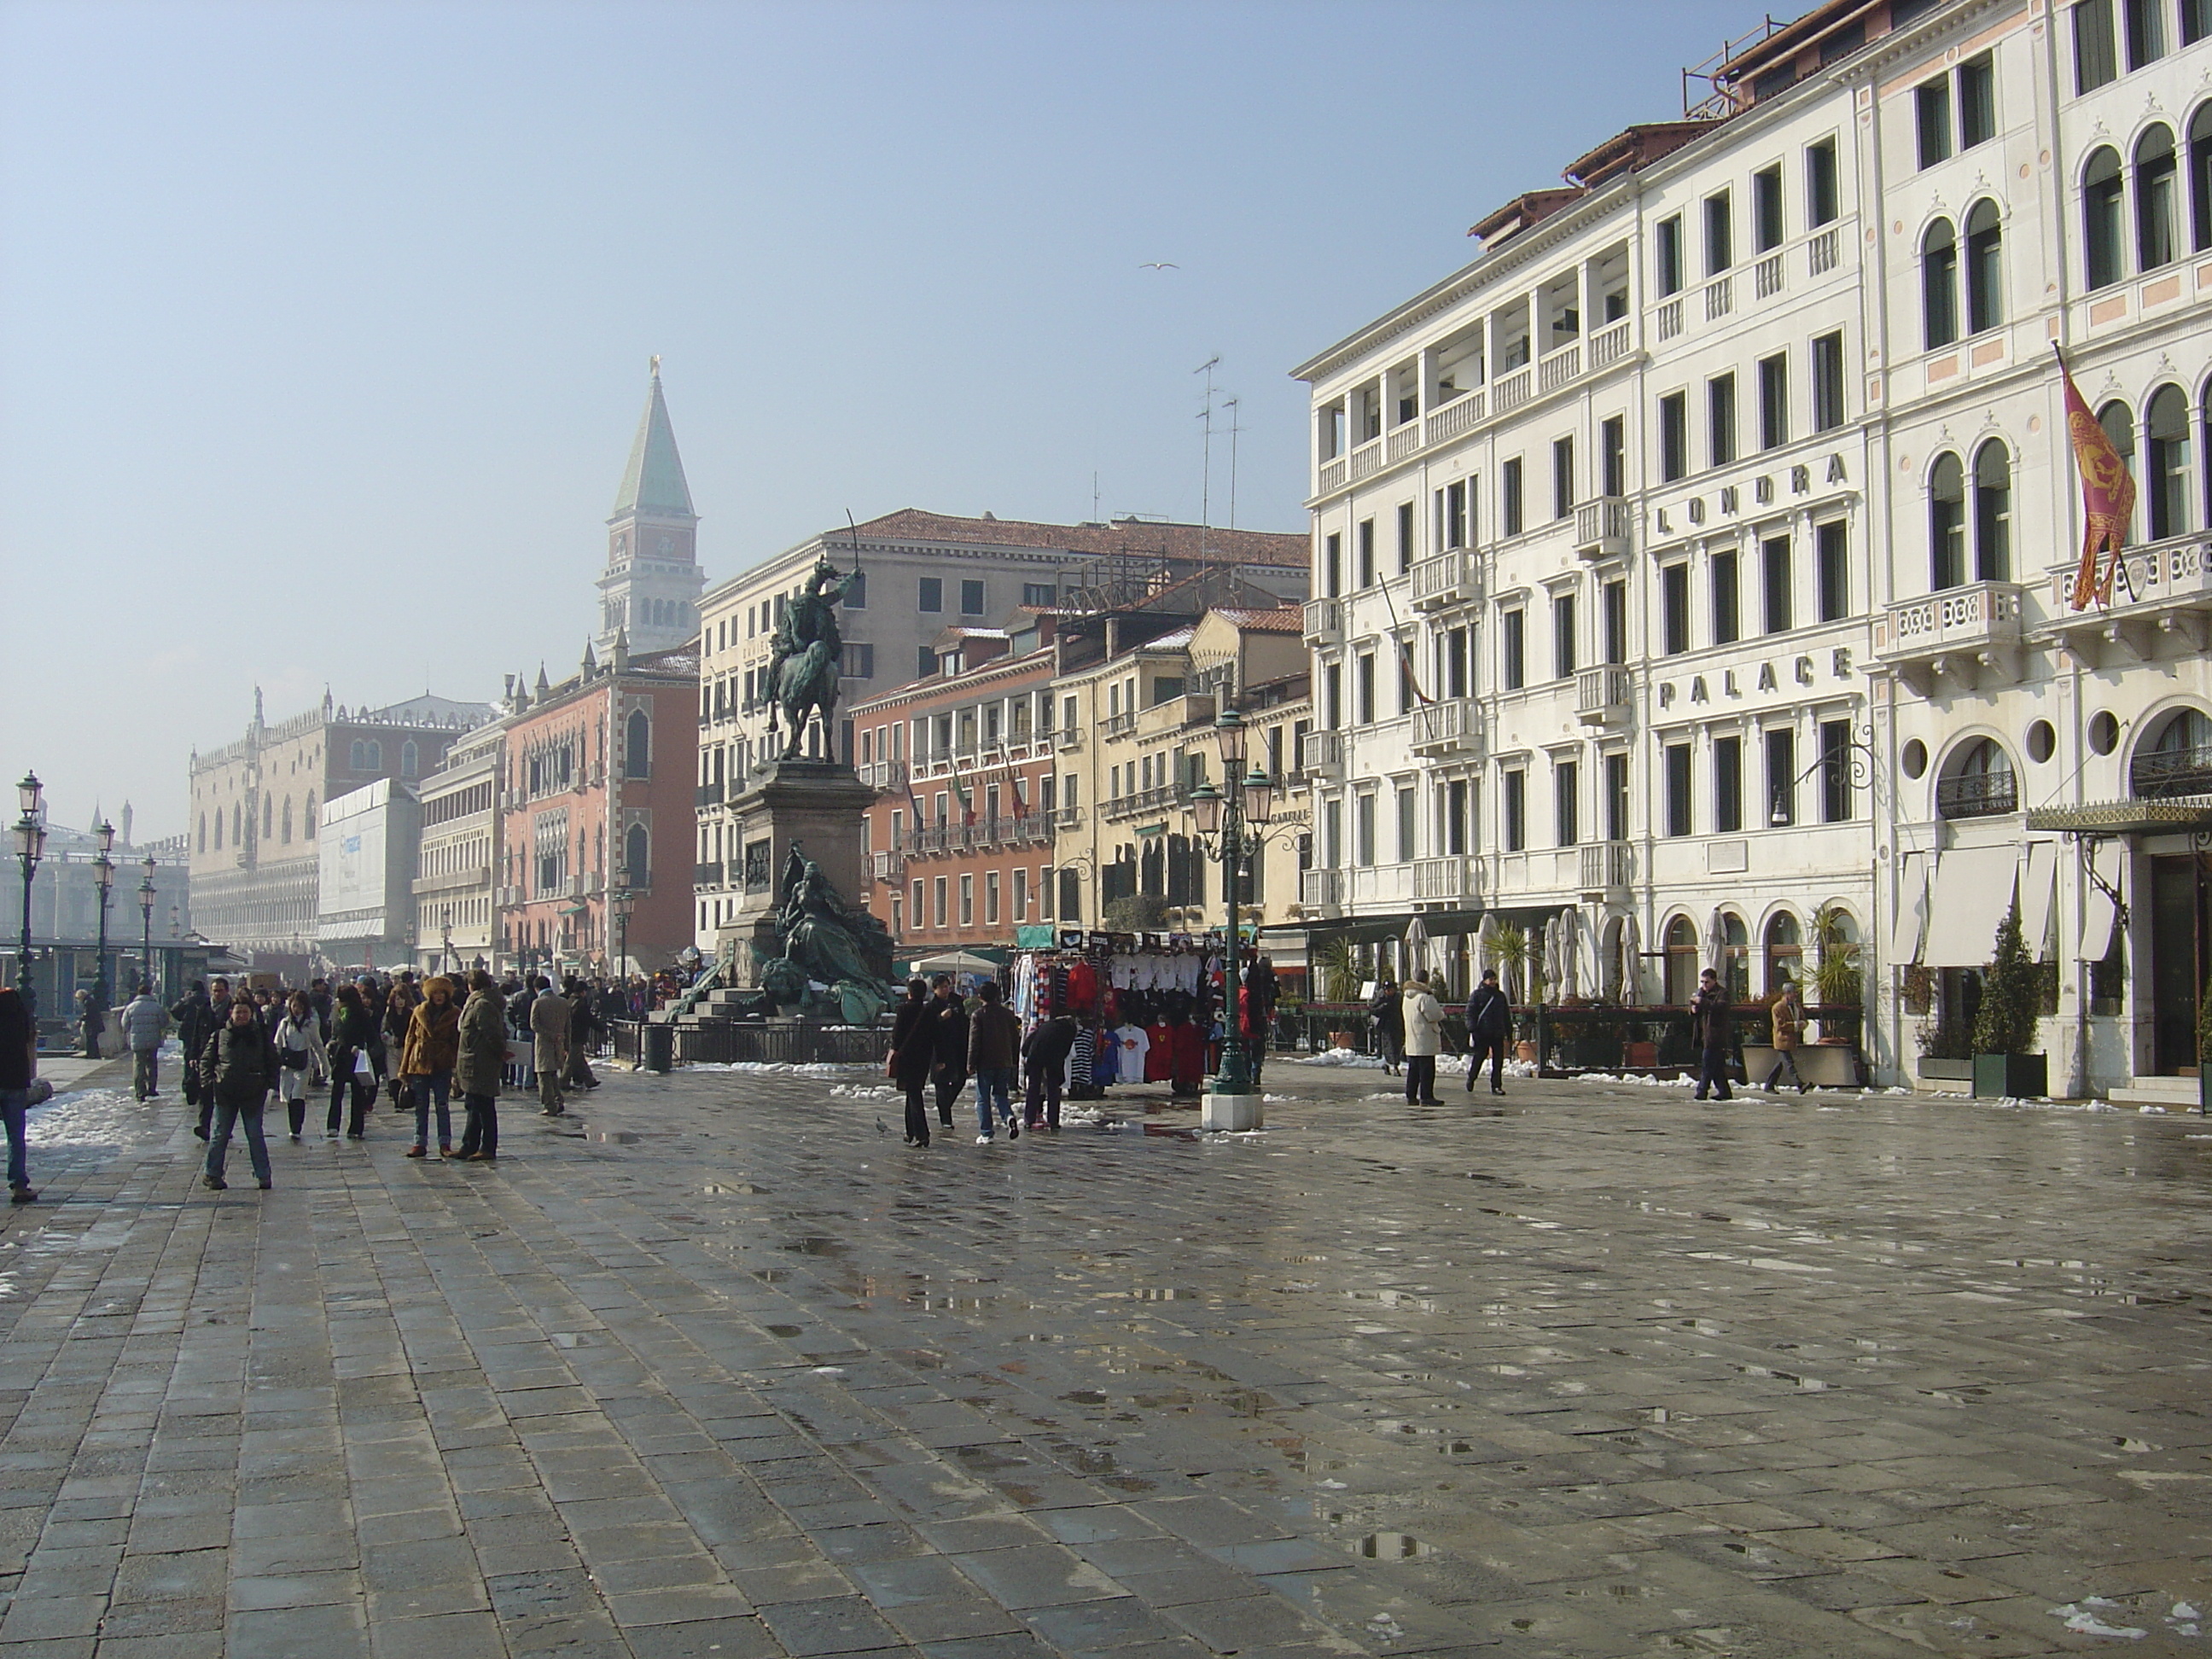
(710,874)
(1978,795)
(708,794)
(1322,890)
(1324,754)
(729,1042)
(2165,774)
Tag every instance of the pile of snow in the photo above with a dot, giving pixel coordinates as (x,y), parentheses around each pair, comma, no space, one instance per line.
(779,1068)
(1347,1057)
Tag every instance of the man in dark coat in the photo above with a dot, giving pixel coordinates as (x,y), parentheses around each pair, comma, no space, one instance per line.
(949,1020)
(1386,1012)
(195,1025)
(1489,1024)
(913,1052)
(1045,1050)
(18,1065)
(1712,1023)
(238,1069)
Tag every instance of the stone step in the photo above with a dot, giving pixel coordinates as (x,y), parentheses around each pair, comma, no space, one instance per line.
(2175,1093)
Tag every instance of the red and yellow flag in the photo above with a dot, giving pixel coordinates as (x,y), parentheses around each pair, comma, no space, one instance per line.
(2108,497)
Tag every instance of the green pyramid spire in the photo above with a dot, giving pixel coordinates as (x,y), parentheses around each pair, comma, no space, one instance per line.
(654,481)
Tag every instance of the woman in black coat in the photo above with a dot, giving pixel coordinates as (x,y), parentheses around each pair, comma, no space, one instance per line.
(914,1048)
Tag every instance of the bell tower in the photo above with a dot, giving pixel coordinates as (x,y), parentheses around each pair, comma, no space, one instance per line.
(652,581)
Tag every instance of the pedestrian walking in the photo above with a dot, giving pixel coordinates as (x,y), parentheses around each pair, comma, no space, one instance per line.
(479,1064)
(353,1073)
(302,1058)
(194,1026)
(145,1022)
(18,1065)
(1424,1039)
(949,1069)
(549,1020)
(215,1018)
(1386,1012)
(994,1043)
(913,1052)
(583,1034)
(1489,1024)
(239,1068)
(1712,1024)
(1787,1012)
(1045,1052)
(428,1054)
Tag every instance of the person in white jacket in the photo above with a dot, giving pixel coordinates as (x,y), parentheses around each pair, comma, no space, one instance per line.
(1425,1040)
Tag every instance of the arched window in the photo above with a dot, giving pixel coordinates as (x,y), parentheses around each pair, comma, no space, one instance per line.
(1979,784)
(288,820)
(2200,177)
(1984,268)
(375,755)
(637,858)
(2100,218)
(203,832)
(237,823)
(1992,514)
(1681,962)
(1784,949)
(410,758)
(2166,480)
(2178,763)
(268,818)
(1947,523)
(357,756)
(2157,223)
(308,825)
(1735,968)
(2119,423)
(637,747)
(1939,285)
(218,828)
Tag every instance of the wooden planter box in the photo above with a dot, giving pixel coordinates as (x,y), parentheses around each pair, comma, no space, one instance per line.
(1822,1067)
(1945,1070)
(2021,1077)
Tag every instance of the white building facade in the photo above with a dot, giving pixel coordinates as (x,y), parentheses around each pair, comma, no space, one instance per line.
(456,897)
(1626,599)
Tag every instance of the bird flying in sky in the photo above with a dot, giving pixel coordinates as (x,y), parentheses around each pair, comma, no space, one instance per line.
(1159,264)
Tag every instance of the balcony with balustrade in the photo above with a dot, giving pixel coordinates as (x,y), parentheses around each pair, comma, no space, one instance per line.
(1604,695)
(1448,730)
(1324,756)
(1449,579)
(1444,880)
(1324,622)
(1601,527)
(1607,867)
(883,773)
(2160,605)
(2171,774)
(1961,637)
(1321,892)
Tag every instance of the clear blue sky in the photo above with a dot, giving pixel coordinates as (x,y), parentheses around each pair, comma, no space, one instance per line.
(325,325)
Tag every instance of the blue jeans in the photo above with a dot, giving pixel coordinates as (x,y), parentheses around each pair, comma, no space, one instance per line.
(227,1112)
(994,1083)
(440,1085)
(13,1104)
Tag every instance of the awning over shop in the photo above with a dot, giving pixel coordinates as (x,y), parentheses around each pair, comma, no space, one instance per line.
(2039,901)
(1973,889)
(2100,916)
(1912,910)
(1373,930)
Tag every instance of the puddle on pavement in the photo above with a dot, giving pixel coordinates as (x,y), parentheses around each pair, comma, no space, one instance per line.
(617,1137)
(1394,1546)
(784,1330)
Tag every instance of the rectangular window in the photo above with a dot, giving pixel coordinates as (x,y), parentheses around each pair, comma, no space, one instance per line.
(1727,783)
(1613,603)
(990,899)
(1455,817)
(931,601)
(2196,21)
(1674,609)
(1363,830)
(971,598)
(1332,682)
(1978,101)
(2095,61)
(1566,802)
(1774,558)
(1452,513)
(1515,808)
(1720,420)
(1020,895)
(1040,595)
(1455,674)
(1781,778)
(1332,831)
(1828,382)
(1332,566)
(1674,436)
(1931,106)
(1408,694)
(1728,600)
(1512,650)
(1509,491)
(1613,455)
(1766,208)
(939,890)
(1832,545)
(913,902)
(898,917)
(1669,256)
(1774,401)
(968,900)
(1364,541)
(1837,805)
(1563,477)
(1404,537)
(1823,187)
(1678,805)
(1720,235)
(1363,688)
(1616,797)
(1562,637)
(1070,895)
(2145,32)
(1407,802)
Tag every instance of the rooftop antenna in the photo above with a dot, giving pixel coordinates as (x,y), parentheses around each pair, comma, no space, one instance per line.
(1230,405)
(1206,473)
(1095,519)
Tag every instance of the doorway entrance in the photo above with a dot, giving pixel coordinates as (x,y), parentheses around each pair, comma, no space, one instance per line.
(2177,935)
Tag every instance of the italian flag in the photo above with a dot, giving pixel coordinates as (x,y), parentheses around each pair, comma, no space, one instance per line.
(960,794)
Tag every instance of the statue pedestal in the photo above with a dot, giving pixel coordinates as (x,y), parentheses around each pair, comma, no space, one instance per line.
(815,805)
(1233,1113)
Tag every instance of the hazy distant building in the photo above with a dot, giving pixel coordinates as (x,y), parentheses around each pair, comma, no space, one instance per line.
(256,802)
(365,903)
(651,587)
(457,866)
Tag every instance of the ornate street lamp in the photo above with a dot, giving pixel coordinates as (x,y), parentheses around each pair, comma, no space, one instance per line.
(620,901)
(146,896)
(30,848)
(103,871)
(1249,800)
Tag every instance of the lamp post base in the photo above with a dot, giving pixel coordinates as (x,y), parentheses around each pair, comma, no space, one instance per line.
(1232,1113)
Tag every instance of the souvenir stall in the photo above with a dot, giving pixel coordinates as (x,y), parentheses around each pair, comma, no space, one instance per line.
(1147,1004)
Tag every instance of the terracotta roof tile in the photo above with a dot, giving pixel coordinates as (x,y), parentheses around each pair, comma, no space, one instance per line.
(1138,536)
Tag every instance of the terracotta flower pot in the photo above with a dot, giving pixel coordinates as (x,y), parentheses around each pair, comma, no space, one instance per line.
(1524,1051)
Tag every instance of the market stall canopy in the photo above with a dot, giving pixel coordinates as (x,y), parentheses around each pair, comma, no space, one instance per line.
(1973,890)
(956,962)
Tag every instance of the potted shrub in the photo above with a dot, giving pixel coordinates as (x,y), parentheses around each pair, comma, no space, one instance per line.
(1509,955)
(2004,1026)
(1837,983)
(1338,966)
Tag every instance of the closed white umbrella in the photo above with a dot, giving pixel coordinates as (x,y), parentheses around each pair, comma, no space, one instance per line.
(1571,954)
(1632,960)
(1552,953)
(1717,945)
(1417,947)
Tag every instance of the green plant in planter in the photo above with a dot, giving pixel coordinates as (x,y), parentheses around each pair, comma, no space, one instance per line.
(1837,981)
(1509,954)
(1340,970)
(2006,1060)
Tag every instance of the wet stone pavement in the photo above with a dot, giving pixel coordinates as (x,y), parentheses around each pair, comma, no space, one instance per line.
(720,1367)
